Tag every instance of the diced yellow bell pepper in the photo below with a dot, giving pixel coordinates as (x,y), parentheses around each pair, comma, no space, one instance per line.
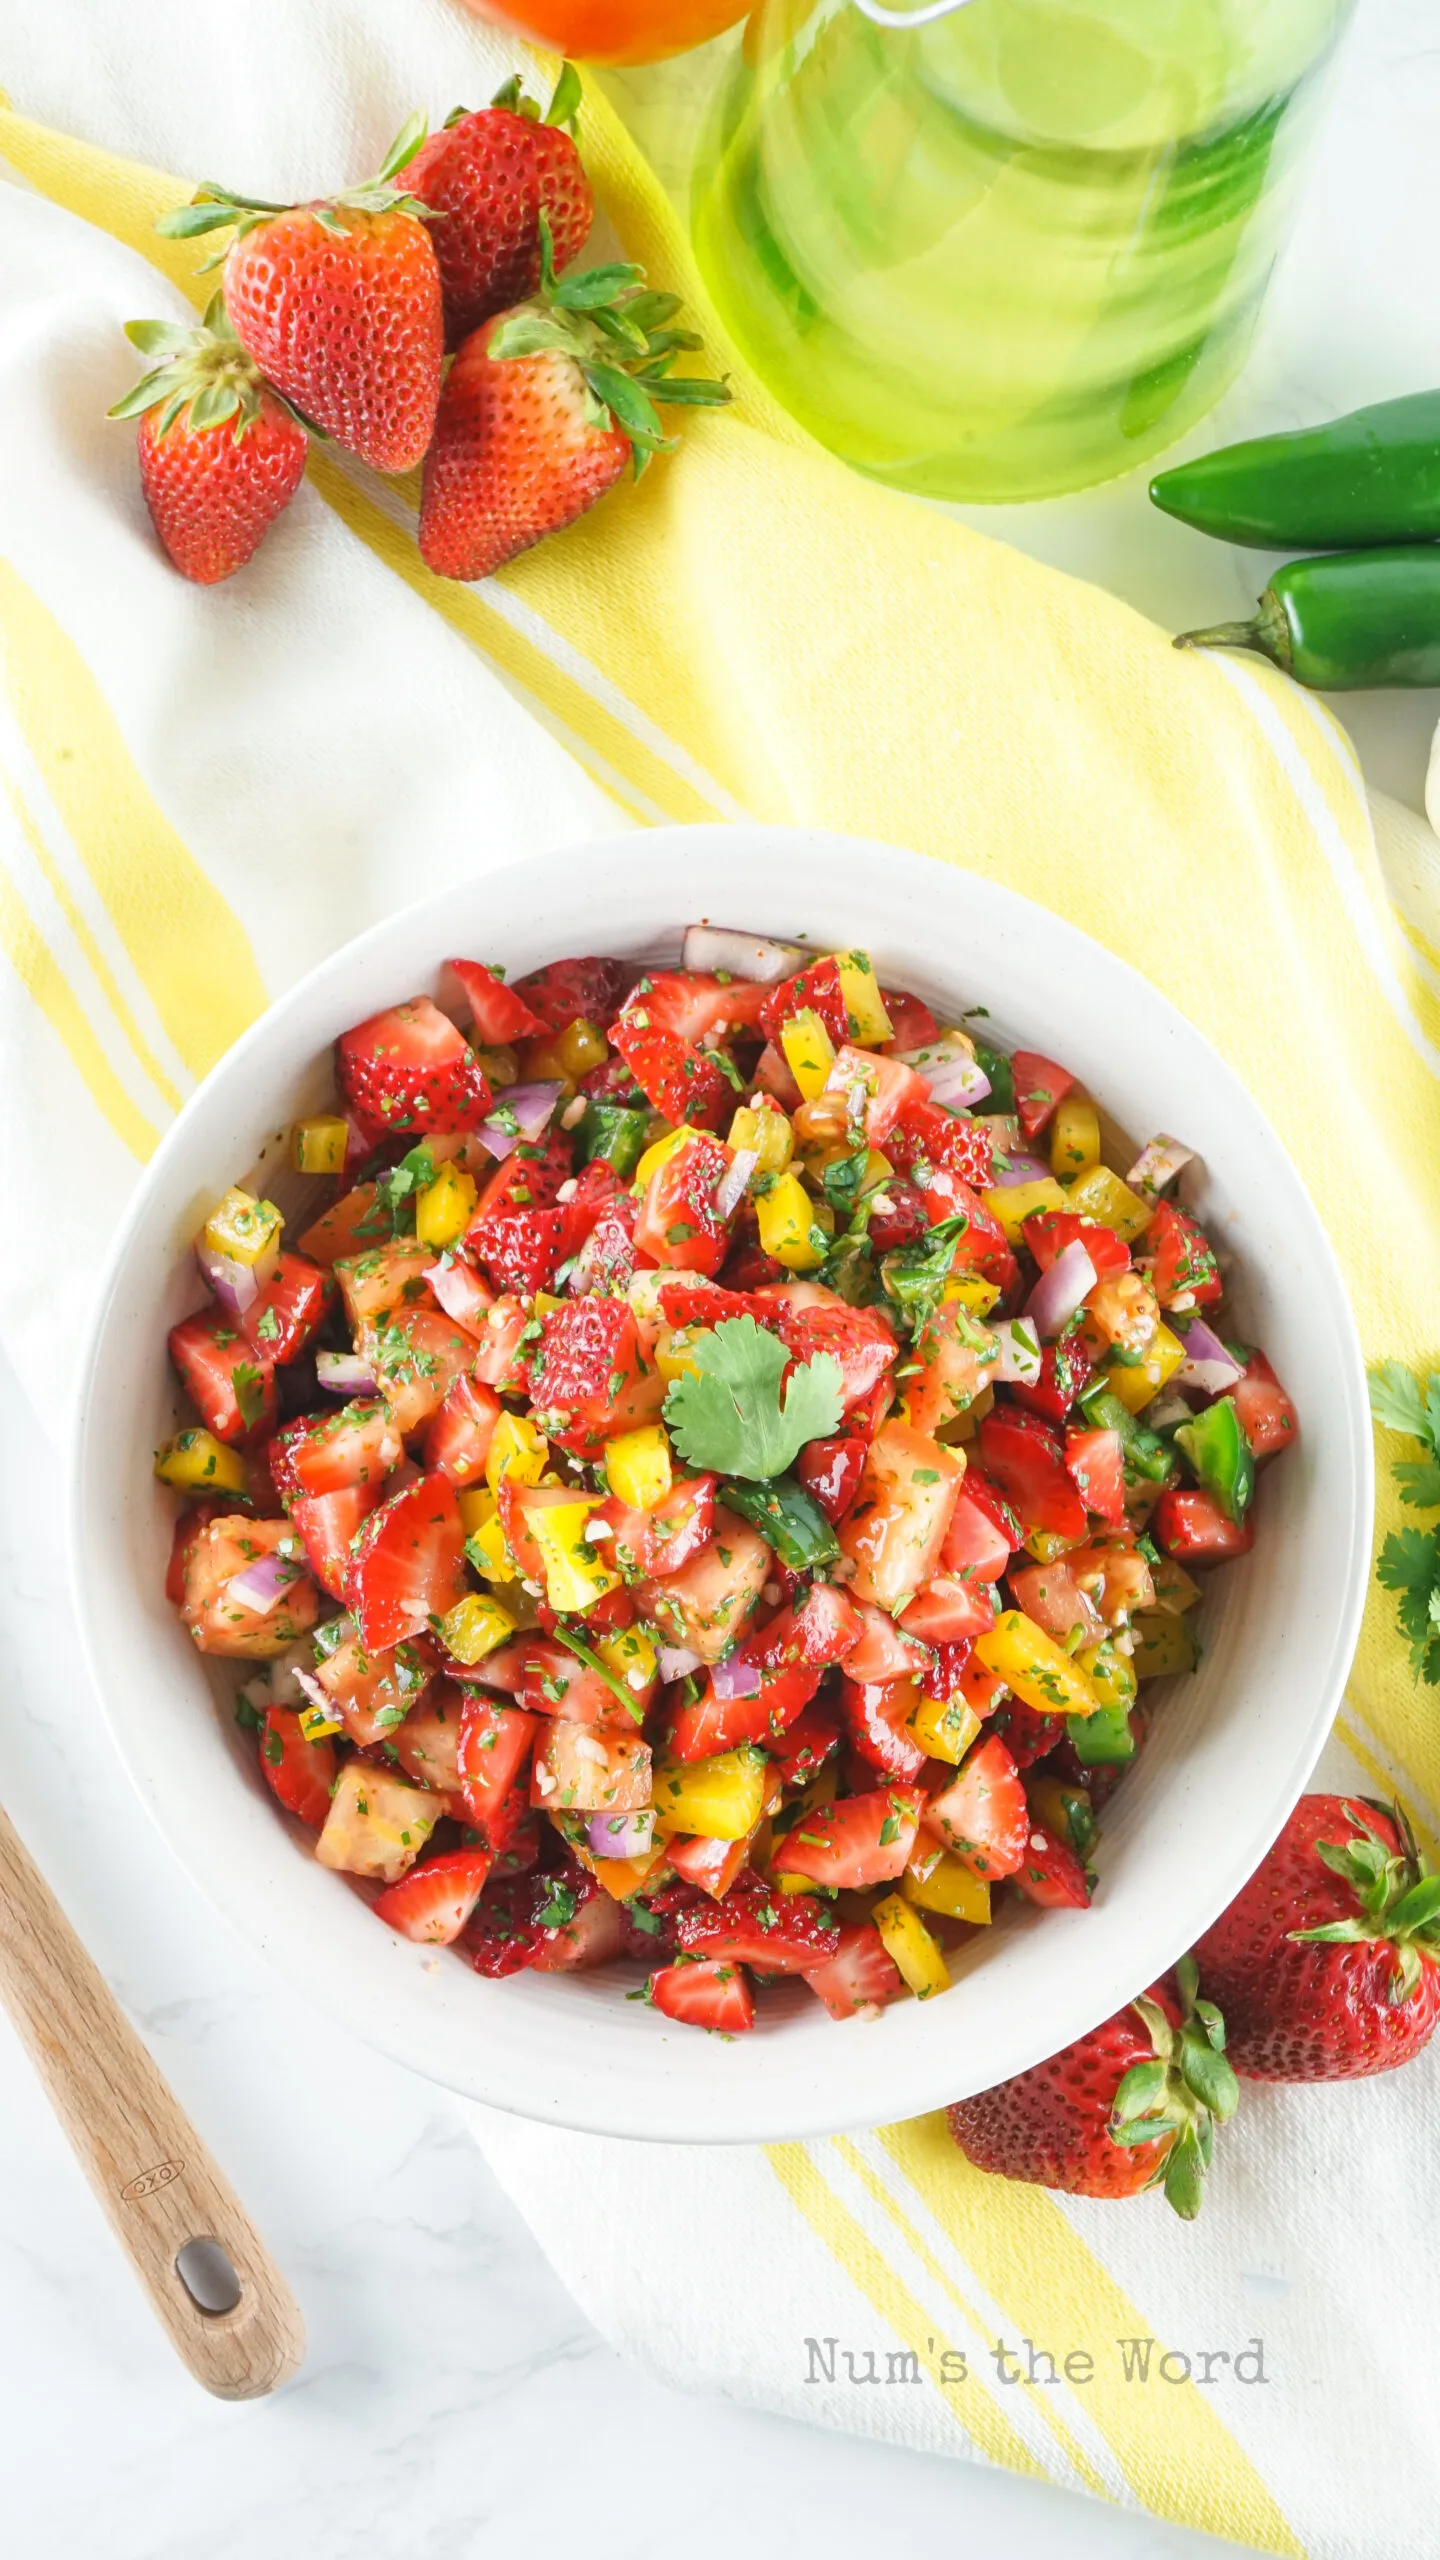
(1045,1547)
(477,1507)
(502,1067)
(945,1727)
(319,1723)
(1074,1135)
(909,1943)
(630,1656)
(318,1145)
(717,1799)
(579,1047)
(1175,1591)
(766,1135)
(518,1448)
(1111,1675)
(1023,1200)
(1035,1666)
(1138,1382)
(870,1024)
(656,1156)
(196,1462)
(1100,1194)
(242,1227)
(444,1209)
(622,1877)
(1062,1807)
(544,1303)
(809,1052)
(488,1552)
(785,1216)
(966,1289)
(637,1466)
(576,1575)
(477,1625)
(674,1353)
(947,1886)
(1163,1647)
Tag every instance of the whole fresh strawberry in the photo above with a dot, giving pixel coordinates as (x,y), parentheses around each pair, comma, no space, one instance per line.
(339,304)
(543,408)
(488,177)
(1328,1964)
(221,455)
(1132,2105)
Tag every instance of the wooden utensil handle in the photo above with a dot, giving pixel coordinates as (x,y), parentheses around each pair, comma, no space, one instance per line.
(144,2159)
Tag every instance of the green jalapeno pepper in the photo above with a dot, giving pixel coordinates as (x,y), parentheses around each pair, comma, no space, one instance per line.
(1347,621)
(1101,1740)
(1371,477)
(1221,1456)
(609,1134)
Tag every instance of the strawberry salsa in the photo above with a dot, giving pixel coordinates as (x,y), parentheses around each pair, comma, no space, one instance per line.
(712,1474)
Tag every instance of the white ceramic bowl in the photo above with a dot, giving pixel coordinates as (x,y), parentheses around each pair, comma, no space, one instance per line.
(1231,1747)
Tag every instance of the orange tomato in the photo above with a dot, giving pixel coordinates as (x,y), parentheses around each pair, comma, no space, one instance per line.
(614,30)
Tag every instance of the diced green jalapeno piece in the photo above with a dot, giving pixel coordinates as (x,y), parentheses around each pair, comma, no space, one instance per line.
(1145,1451)
(608,1134)
(1218,1451)
(1103,1739)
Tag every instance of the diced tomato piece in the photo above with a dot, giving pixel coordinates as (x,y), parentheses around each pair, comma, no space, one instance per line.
(862,1840)
(383,1277)
(946,1370)
(1050,1874)
(465,1297)
(710,1865)
(458,1439)
(264,1497)
(355,1224)
(682,1082)
(1049,1231)
(187,1529)
(807,1746)
(1053,1600)
(588,1376)
(373,1693)
(327,1523)
(703,1995)
(947,1609)
(427,1743)
(1039,1085)
(1267,1416)
(586,1768)
(500,1362)
(567,991)
(711,1600)
(356,1446)
(883,1651)
(1193,1529)
(659,1542)
(1027,1735)
(592,1934)
(1116,1575)
(982,1815)
(678,1224)
(494,1750)
(498,1013)
(980,1688)
(861,1976)
(823,1628)
(898,1215)
(1066,1369)
(219,1622)
(408,1565)
(722,1723)
(876,1090)
(975,1549)
(686,1001)
(290,1310)
(816,989)
(875,1714)
(1182,1259)
(1023,1459)
(230,1382)
(552,1681)
(912,1023)
(300,1773)
(988,1498)
(1095,1461)
(927,1140)
(772,1076)
(830,1471)
(417,1356)
(895,1532)
(433,1902)
(409,1068)
(810,1319)
(777,1932)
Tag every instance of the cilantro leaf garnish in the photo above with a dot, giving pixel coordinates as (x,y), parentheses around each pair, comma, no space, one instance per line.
(395,1189)
(732,1420)
(1409,1561)
(914,1275)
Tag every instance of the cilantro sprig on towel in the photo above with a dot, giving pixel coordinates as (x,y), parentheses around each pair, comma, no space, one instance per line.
(1409,1561)
(731,1419)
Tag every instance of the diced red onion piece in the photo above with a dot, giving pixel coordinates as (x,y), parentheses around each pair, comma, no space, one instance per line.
(317,1696)
(1060,1290)
(623,1835)
(676,1662)
(712,947)
(955,1079)
(1157,1165)
(522,1112)
(261,1584)
(735,1181)
(237,1285)
(1013,1169)
(462,1293)
(1019,1362)
(736,1678)
(344,1373)
(1207,1364)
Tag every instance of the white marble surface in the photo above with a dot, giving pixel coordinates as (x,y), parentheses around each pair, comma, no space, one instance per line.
(453,2394)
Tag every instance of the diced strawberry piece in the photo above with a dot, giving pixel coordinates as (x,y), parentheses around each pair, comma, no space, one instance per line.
(713,1597)
(773,1077)
(458,1439)
(1053,1600)
(912,1023)
(810,1319)
(745,1267)
(659,1542)
(290,1311)
(529,1178)
(427,1744)
(981,1689)
(409,1068)
(594,1935)
(500,1937)
(686,1001)
(877,1090)
(552,1681)
(588,1375)
(722,1723)
(524,1250)
(875,1714)
(777,1932)
(830,1471)
(883,1651)
(1267,1416)
(1193,1529)
(678,1225)
(927,1140)
(823,1628)
(1039,1085)
(975,1549)
(1027,1735)
(494,1750)
(567,991)
(1050,1874)
(948,1609)
(456,1285)
(1023,1459)
(607,1260)
(327,1523)
(807,1746)
(433,1902)
(862,1840)
(498,1013)
(818,989)
(1049,1231)
(703,1995)
(988,1498)
(1182,1259)
(513,1830)
(408,1565)
(301,1773)
(1066,1369)
(356,1224)
(982,1815)
(702,1302)
(264,1497)
(1095,1461)
(598,1190)
(982,1247)
(229,1381)
(356,1446)
(898,1215)
(861,1977)
(682,1082)
(711,1866)
(499,1362)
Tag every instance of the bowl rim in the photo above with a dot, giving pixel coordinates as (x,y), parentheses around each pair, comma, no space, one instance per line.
(694,845)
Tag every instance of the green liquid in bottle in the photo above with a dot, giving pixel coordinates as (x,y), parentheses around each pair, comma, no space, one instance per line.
(1015,251)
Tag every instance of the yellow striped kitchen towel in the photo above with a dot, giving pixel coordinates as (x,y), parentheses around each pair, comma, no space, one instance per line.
(201,791)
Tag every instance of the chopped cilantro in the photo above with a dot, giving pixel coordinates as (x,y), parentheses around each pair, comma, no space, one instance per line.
(731,1417)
